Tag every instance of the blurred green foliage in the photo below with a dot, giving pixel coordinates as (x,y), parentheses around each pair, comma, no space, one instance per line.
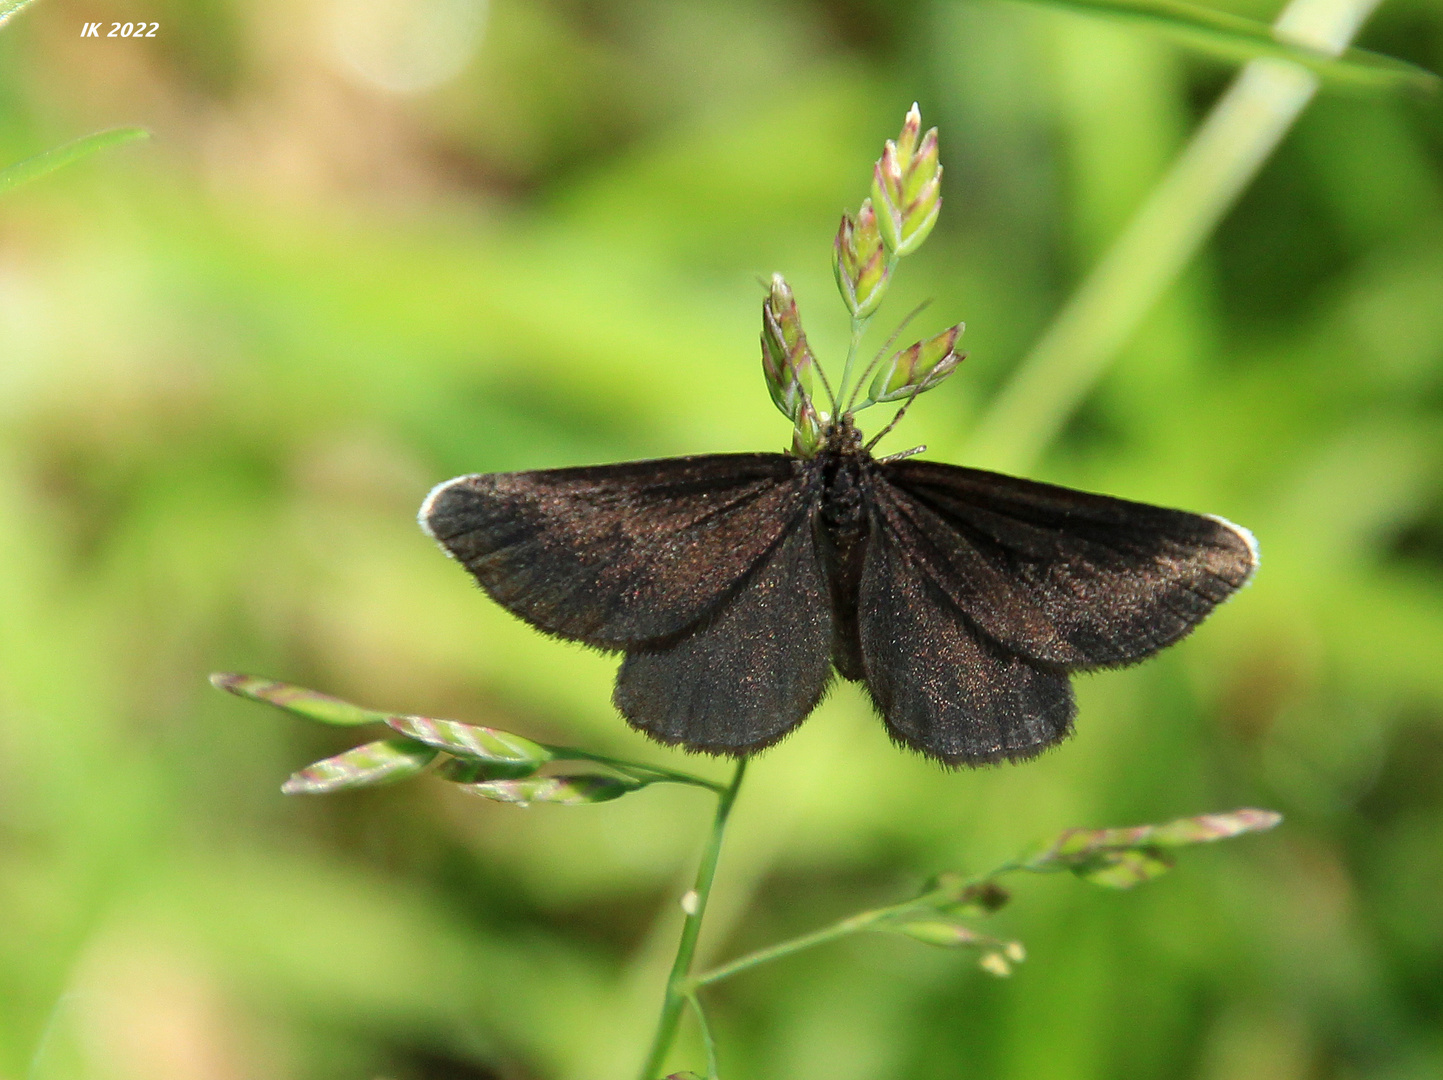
(233,360)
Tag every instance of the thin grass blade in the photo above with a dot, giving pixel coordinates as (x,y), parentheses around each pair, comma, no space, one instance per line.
(1235,37)
(35,167)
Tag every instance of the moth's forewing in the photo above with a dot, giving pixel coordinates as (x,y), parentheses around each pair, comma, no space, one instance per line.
(1067,577)
(750,672)
(942,687)
(618,555)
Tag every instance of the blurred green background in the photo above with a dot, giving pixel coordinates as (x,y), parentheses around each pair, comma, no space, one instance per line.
(375,244)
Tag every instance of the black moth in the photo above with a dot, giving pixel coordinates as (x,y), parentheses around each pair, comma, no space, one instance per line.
(736,583)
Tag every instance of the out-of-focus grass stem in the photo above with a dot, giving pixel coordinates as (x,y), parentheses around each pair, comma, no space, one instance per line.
(33,168)
(1238,135)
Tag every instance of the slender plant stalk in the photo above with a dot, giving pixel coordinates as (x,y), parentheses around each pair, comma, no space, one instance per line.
(853,924)
(706,1035)
(1240,133)
(677,989)
(859,327)
(881,353)
(639,770)
(859,330)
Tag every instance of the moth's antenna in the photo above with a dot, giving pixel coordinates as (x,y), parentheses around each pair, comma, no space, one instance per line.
(867,371)
(900,413)
(903,454)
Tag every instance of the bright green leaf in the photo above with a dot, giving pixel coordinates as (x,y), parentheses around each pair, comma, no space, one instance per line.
(41,164)
(1235,37)
(382,762)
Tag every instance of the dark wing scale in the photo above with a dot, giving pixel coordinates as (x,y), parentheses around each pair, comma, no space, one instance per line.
(1066,577)
(942,687)
(1001,607)
(617,555)
(752,671)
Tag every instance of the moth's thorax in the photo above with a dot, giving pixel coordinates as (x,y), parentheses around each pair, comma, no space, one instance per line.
(841,535)
(843,503)
(843,462)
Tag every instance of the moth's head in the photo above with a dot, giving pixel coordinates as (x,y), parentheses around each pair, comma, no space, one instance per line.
(842,436)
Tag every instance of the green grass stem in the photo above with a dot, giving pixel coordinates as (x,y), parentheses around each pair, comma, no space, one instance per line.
(678,986)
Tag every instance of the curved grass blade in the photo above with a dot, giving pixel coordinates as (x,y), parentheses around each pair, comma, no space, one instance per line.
(1235,37)
(382,762)
(562,790)
(311,704)
(472,742)
(10,8)
(57,158)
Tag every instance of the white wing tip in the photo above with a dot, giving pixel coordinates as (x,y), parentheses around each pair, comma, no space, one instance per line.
(423,515)
(1246,536)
